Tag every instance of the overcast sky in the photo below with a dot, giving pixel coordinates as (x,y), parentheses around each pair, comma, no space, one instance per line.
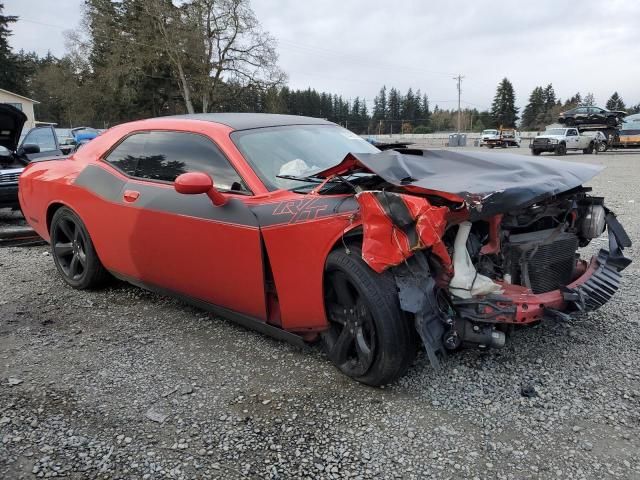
(353,47)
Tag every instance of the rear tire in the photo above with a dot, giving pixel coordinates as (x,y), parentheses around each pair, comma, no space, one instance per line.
(588,150)
(73,251)
(369,338)
(535,152)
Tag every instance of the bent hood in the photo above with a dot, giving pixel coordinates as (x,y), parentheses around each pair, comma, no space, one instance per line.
(11,122)
(488,183)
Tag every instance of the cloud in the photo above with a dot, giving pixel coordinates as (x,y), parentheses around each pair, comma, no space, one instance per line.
(354,47)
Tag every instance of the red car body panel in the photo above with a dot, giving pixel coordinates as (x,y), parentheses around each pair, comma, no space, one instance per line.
(221,263)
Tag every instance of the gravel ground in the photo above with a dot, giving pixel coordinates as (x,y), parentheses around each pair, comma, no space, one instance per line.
(121,383)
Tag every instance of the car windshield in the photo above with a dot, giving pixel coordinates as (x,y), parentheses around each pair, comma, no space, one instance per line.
(296,151)
(555,131)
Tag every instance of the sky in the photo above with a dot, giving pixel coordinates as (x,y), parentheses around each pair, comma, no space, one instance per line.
(353,47)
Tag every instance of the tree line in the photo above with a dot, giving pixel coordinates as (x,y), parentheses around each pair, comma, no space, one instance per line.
(133,59)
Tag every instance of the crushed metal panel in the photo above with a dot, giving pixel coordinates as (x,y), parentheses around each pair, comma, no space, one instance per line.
(395,225)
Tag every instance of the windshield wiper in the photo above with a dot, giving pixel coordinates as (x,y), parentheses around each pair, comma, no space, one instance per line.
(310,179)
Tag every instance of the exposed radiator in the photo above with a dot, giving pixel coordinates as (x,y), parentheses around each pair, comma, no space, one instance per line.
(548,265)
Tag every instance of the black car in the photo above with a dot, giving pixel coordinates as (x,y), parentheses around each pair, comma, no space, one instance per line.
(39,142)
(591,115)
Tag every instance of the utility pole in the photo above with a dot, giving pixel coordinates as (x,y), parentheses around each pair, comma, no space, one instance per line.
(459,79)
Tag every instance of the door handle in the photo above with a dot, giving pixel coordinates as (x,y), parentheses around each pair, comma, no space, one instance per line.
(130,196)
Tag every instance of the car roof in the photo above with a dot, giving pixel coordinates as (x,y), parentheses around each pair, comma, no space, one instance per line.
(245,121)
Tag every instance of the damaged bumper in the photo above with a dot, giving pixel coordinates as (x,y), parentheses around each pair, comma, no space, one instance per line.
(592,289)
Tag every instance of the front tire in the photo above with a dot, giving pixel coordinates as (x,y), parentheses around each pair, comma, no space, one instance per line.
(73,251)
(535,151)
(561,149)
(369,338)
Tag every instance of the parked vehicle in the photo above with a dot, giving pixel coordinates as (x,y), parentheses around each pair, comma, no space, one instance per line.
(591,115)
(506,137)
(486,135)
(562,140)
(303,230)
(13,159)
(629,134)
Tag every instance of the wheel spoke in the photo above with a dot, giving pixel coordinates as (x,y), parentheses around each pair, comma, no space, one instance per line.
(343,289)
(66,230)
(62,249)
(342,346)
(365,353)
(74,266)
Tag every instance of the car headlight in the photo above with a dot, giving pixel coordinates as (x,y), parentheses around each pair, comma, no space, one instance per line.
(553,141)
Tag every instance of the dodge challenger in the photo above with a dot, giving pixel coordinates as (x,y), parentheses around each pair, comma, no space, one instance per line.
(300,229)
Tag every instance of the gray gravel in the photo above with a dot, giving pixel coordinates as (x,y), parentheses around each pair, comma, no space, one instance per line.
(121,383)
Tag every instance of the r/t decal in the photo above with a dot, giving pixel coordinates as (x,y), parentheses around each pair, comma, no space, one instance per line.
(301,210)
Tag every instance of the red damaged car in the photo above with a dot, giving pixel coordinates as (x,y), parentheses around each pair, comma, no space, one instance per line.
(301,229)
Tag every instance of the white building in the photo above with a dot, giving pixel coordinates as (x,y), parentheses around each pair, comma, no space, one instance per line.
(22,103)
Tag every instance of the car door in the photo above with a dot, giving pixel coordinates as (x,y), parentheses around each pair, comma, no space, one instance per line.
(581,115)
(46,140)
(183,243)
(572,139)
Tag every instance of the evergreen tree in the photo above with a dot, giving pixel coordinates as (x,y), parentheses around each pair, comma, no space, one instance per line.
(425,113)
(380,105)
(535,106)
(615,102)
(394,105)
(11,75)
(503,109)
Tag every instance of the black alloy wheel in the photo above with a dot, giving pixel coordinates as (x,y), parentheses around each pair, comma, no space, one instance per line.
(351,340)
(70,249)
(369,338)
(73,251)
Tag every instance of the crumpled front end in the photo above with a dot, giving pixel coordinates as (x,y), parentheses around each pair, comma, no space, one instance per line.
(466,279)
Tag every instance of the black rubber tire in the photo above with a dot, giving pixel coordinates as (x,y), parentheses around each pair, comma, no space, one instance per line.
(535,151)
(588,150)
(561,149)
(396,341)
(602,147)
(489,146)
(570,122)
(93,274)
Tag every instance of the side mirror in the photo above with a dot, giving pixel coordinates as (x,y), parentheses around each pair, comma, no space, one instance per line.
(28,149)
(196,183)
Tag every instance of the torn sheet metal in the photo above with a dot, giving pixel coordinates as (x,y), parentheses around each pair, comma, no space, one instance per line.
(394,225)
(489,183)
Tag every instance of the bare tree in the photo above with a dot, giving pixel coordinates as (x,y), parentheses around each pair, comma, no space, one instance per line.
(211,42)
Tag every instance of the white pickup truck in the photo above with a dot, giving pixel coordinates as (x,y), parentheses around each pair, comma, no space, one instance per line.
(561,140)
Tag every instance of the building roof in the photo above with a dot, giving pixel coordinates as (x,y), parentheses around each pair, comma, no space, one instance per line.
(245,121)
(19,96)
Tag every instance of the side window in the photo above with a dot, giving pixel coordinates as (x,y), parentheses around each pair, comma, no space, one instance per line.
(43,137)
(572,133)
(169,154)
(125,157)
